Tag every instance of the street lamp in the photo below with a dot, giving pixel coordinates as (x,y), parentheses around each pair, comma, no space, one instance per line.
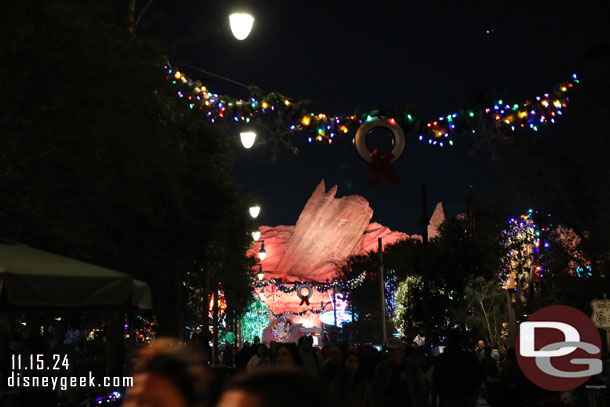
(241,25)
(254,211)
(247,138)
(260,275)
(262,253)
(256,235)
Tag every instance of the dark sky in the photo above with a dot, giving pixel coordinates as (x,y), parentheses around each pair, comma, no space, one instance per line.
(381,55)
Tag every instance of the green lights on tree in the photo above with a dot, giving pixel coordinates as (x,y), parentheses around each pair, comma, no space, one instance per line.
(255,320)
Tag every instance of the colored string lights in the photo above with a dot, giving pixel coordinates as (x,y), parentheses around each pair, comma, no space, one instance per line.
(289,287)
(391,285)
(531,114)
(526,247)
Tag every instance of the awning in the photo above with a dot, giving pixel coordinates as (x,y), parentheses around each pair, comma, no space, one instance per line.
(35,278)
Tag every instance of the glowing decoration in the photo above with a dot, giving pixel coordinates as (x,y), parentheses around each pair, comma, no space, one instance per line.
(262,253)
(254,211)
(525,261)
(241,25)
(230,337)
(438,132)
(254,321)
(247,138)
(398,138)
(408,294)
(290,287)
(391,286)
(328,318)
(260,275)
(304,297)
(222,303)
(256,235)
(113,399)
(281,327)
(381,163)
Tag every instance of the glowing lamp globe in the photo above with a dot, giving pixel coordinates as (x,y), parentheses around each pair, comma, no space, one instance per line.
(256,235)
(241,25)
(262,253)
(254,211)
(247,138)
(260,275)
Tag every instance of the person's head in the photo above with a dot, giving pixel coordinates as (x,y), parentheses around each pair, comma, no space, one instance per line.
(257,340)
(261,349)
(333,336)
(173,377)
(271,387)
(286,354)
(335,356)
(396,351)
(304,343)
(352,363)
(480,344)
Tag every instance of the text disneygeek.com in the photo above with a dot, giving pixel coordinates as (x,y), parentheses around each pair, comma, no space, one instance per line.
(27,373)
(16,380)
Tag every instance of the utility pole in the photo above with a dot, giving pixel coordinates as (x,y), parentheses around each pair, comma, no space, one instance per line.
(381,291)
(424,221)
(335,304)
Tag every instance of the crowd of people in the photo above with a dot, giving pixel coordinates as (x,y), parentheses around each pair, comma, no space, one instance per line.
(338,375)
(170,373)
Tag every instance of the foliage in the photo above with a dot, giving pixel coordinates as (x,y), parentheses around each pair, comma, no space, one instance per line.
(407,318)
(255,320)
(564,171)
(100,162)
(486,302)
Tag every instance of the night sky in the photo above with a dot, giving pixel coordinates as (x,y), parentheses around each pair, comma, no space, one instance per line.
(382,55)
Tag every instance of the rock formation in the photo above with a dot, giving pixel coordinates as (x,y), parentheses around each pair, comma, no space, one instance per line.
(328,231)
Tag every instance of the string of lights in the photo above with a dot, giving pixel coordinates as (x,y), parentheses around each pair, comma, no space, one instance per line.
(440,132)
(292,286)
(523,240)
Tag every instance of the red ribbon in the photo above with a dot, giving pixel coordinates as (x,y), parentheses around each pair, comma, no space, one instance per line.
(382,165)
(304,300)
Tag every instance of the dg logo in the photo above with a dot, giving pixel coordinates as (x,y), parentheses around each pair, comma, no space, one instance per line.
(559,348)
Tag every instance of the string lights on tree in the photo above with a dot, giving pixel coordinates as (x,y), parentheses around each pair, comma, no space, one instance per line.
(255,320)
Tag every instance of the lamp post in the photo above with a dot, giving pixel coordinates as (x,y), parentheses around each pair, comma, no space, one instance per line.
(261,274)
(262,253)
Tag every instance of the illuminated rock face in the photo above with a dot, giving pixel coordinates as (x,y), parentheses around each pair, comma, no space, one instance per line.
(328,231)
(436,220)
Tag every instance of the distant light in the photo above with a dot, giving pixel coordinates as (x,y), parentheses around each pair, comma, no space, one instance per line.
(254,211)
(260,275)
(241,25)
(247,138)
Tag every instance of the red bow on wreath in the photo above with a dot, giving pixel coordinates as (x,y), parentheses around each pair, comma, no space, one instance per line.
(382,165)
